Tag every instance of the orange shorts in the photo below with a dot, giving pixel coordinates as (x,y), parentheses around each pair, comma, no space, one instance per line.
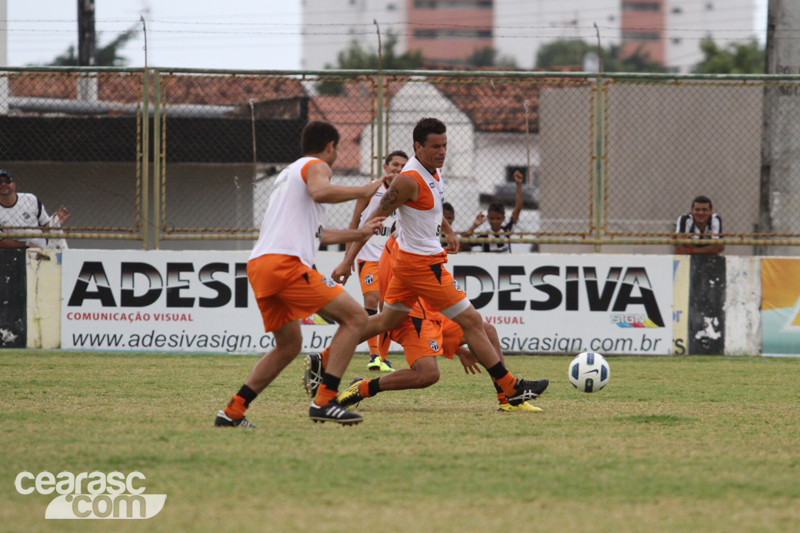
(424,277)
(451,337)
(419,338)
(287,290)
(368,275)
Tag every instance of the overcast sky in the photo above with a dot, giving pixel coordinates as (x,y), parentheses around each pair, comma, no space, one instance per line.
(238,34)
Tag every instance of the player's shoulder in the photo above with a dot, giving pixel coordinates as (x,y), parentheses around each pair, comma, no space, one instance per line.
(311,166)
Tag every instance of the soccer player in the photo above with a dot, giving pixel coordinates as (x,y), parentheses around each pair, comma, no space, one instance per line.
(419,271)
(424,334)
(370,254)
(286,286)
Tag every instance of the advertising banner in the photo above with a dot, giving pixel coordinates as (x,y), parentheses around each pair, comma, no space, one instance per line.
(780,306)
(543,303)
(202,302)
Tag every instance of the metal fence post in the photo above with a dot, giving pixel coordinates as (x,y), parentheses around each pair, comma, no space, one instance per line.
(599,147)
(157,176)
(145,193)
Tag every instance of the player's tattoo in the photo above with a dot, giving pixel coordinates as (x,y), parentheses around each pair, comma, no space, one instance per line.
(389,198)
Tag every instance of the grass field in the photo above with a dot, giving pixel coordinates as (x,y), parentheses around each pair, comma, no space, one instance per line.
(672,444)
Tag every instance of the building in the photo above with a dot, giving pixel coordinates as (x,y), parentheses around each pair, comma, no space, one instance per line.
(689,21)
(448,31)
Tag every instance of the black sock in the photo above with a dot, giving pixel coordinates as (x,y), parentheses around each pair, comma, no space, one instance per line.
(331,382)
(498,371)
(248,394)
(374,386)
(497,387)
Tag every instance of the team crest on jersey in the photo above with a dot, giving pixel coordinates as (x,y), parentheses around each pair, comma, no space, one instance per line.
(318,235)
(432,184)
(368,279)
(457,286)
(328,281)
(434,345)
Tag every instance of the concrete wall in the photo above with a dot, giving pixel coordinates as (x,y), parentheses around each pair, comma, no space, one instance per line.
(44,299)
(665,145)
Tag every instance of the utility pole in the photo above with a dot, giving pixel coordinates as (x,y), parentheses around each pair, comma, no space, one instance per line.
(86,34)
(87,84)
(779,196)
(768,107)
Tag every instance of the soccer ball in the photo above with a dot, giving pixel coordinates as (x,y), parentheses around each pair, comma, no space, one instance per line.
(589,372)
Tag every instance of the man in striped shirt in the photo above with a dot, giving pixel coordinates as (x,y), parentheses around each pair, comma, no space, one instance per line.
(702,224)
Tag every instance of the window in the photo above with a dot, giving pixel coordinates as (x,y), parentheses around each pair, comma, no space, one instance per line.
(441,33)
(676,40)
(640,36)
(453,4)
(641,6)
(677,10)
(391,7)
(709,6)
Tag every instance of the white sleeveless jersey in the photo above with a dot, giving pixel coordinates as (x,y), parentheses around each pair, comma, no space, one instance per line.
(373,248)
(420,222)
(27,211)
(293,220)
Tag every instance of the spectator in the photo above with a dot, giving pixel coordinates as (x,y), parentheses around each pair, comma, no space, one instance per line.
(449,213)
(703,224)
(25,210)
(498,222)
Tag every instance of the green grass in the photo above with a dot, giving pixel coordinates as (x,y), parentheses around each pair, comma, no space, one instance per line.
(671,444)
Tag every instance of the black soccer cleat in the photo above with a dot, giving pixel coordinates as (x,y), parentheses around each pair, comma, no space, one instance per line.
(224,420)
(312,376)
(334,412)
(528,390)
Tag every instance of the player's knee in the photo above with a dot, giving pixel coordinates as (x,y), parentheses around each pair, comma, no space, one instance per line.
(289,347)
(490,330)
(357,319)
(427,377)
(470,319)
(371,300)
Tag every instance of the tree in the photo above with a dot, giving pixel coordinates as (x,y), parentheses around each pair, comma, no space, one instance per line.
(488,57)
(737,58)
(105,56)
(566,53)
(562,53)
(356,57)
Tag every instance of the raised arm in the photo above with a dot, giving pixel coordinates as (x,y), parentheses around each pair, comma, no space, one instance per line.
(318,182)
(518,177)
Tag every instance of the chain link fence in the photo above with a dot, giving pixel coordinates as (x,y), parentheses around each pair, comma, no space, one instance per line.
(74,138)
(613,159)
